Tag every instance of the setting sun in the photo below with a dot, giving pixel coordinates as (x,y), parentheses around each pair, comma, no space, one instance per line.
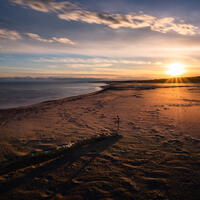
(175,69)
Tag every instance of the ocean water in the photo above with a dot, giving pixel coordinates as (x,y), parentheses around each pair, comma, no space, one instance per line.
(15,94)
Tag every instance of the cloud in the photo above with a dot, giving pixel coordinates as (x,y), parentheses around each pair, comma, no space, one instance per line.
(35,5)
(63,40)
(53,39)
(14,35)
(72,12)
(11,35)
(81,66)
(103,70)
(91,61)
(37,37)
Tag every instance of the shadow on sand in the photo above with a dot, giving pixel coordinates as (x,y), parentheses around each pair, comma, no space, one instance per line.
(91,150)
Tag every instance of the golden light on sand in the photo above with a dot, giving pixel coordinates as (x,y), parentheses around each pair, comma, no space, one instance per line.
(175,69)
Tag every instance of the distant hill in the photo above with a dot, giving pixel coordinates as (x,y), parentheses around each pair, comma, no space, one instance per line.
(174,80)
(170,80)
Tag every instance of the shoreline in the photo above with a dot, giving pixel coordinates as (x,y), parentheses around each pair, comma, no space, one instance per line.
(52,100)
(109,85)
(156,155)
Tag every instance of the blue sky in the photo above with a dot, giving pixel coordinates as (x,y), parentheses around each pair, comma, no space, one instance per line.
(92,38)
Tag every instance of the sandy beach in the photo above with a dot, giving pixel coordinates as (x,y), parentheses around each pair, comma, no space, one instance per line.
(157,157)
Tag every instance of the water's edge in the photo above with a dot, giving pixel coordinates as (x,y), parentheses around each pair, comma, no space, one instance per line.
(75,92)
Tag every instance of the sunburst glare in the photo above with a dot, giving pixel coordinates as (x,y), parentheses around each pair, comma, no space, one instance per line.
(176,69)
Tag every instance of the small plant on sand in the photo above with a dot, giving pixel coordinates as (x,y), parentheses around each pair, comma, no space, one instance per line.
(117,121)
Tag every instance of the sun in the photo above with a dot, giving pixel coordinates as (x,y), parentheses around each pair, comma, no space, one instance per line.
(175,69)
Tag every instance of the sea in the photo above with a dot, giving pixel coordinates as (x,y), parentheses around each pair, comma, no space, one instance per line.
(21,92)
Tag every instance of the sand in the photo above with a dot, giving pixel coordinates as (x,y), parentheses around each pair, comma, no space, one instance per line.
(158,156)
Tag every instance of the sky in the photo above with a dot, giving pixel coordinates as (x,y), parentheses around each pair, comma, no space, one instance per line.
(110,39)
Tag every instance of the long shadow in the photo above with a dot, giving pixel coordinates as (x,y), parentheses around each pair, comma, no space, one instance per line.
(92,150)
(64,187)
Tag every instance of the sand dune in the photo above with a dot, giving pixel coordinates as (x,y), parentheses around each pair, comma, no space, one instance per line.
(158,156)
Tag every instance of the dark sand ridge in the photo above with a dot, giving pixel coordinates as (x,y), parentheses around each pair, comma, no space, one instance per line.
(157,158)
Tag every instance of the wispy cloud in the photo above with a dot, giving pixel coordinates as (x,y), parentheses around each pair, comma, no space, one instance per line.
(53,39)
(63,40)
(96,61)
(14,35)
(11,35)
(82,66)
(72,12)
(99,70)
(97,64)
(37,37)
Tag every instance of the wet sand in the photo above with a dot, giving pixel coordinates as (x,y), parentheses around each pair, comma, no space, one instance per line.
(158,156)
